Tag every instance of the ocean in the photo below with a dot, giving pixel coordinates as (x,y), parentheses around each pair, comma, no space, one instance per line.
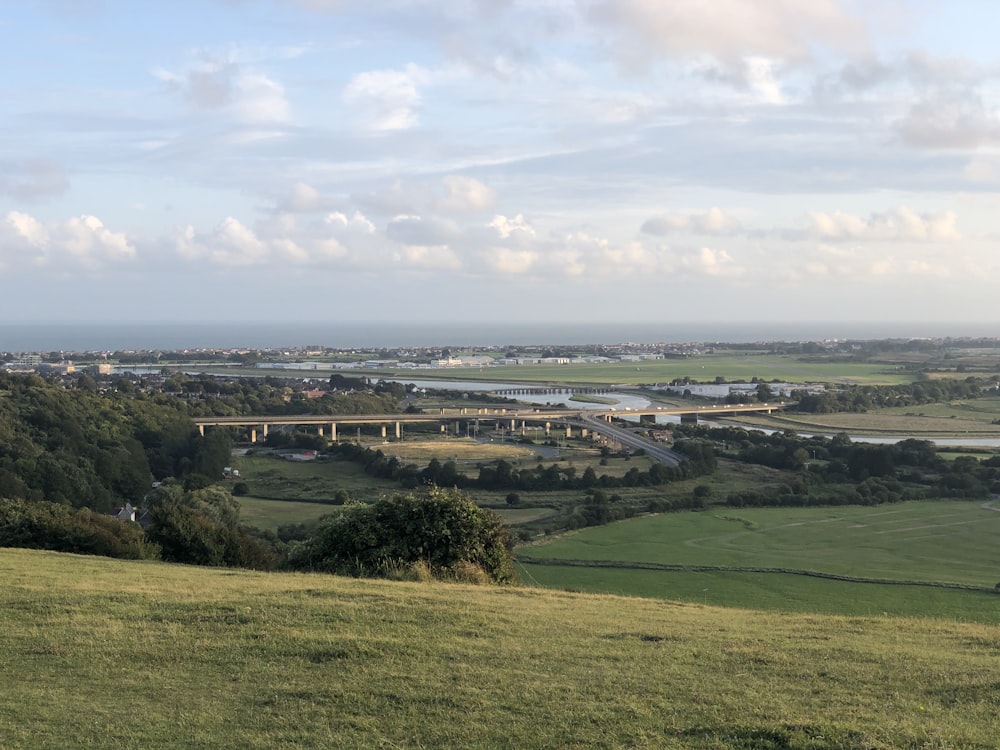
(113,336)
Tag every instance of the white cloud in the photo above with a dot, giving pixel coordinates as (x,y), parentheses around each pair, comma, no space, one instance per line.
(507,227)
(710,262)
(900,224)
(428,258)
(950,119)
(714,221)
(464,195)
(857,266)
(386,100)
(78,242)
(222,83)
(728,31)
(229,244)
(304,198)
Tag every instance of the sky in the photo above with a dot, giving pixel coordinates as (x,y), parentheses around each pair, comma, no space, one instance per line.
(483,160)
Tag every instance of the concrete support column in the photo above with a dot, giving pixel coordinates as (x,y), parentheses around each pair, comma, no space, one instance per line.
(548,428)
(457,428)
(253,435)
(201,430)
(444,428)
(333,431)
(584,432)
(383,432)
(569,432)
(399,430)
(264,429)
(319,430)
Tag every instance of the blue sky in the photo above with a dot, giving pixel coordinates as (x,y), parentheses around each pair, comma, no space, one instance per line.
(565,159)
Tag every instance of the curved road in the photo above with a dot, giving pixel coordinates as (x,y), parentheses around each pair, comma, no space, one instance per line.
(626,437)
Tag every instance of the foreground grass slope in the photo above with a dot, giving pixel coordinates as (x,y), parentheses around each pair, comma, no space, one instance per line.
(105,653)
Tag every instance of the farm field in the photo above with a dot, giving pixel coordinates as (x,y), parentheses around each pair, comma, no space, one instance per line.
(227,658)
(973,418)
(706,368)
(270,514)
(269,476)
(703,369)
(940,541)
(775,592)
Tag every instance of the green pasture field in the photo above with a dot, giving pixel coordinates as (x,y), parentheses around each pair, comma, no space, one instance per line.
(940,541)
(277,478)
(923,421)
(269,514)
(702,369)
(102,653)
(776,592)
(515,516)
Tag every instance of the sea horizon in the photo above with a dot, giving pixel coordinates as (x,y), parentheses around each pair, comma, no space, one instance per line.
(171,336)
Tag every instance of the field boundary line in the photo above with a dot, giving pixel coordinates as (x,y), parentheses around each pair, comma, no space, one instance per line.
(668,567)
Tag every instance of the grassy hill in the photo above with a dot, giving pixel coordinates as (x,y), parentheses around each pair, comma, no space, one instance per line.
(113,654)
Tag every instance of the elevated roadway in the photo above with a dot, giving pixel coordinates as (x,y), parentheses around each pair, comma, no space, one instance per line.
(596,420)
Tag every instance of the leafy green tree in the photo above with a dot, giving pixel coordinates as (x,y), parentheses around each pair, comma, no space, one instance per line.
(442,529)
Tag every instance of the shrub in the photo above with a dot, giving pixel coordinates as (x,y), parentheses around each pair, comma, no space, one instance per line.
(51,526)
(441,529)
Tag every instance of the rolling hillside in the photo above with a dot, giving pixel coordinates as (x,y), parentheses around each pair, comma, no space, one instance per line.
(107,653)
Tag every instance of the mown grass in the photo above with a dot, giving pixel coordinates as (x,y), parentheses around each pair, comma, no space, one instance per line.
(775,592)
(269,514)
(941,541)
(112,654)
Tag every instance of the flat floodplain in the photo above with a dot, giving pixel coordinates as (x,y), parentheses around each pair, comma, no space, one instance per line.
(112,654)
(733,368)
(941,541)
(928,542)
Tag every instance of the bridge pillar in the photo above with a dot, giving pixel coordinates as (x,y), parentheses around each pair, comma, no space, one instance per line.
(253,435)
(513,425)
(584,432)
(458,427)
(399,430)
(383,432)
(333,431)
(319,430)
(444,428)
(201,430)
(569,432)
(264,430)
(548,428)
(689,419)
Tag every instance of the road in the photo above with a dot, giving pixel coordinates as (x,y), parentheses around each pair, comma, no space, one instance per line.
(624,436)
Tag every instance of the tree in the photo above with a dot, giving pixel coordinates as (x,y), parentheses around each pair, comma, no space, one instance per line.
(440,528)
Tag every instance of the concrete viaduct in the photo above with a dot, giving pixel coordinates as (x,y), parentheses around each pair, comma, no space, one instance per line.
(512,419)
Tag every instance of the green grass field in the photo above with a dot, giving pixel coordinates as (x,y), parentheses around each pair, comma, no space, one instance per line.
(942,541)
(269,476)
(703,369)
(103,653)
(270,514)
(773,592)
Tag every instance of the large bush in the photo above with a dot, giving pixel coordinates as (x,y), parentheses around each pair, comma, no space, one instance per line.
(442,531)
(41,525)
